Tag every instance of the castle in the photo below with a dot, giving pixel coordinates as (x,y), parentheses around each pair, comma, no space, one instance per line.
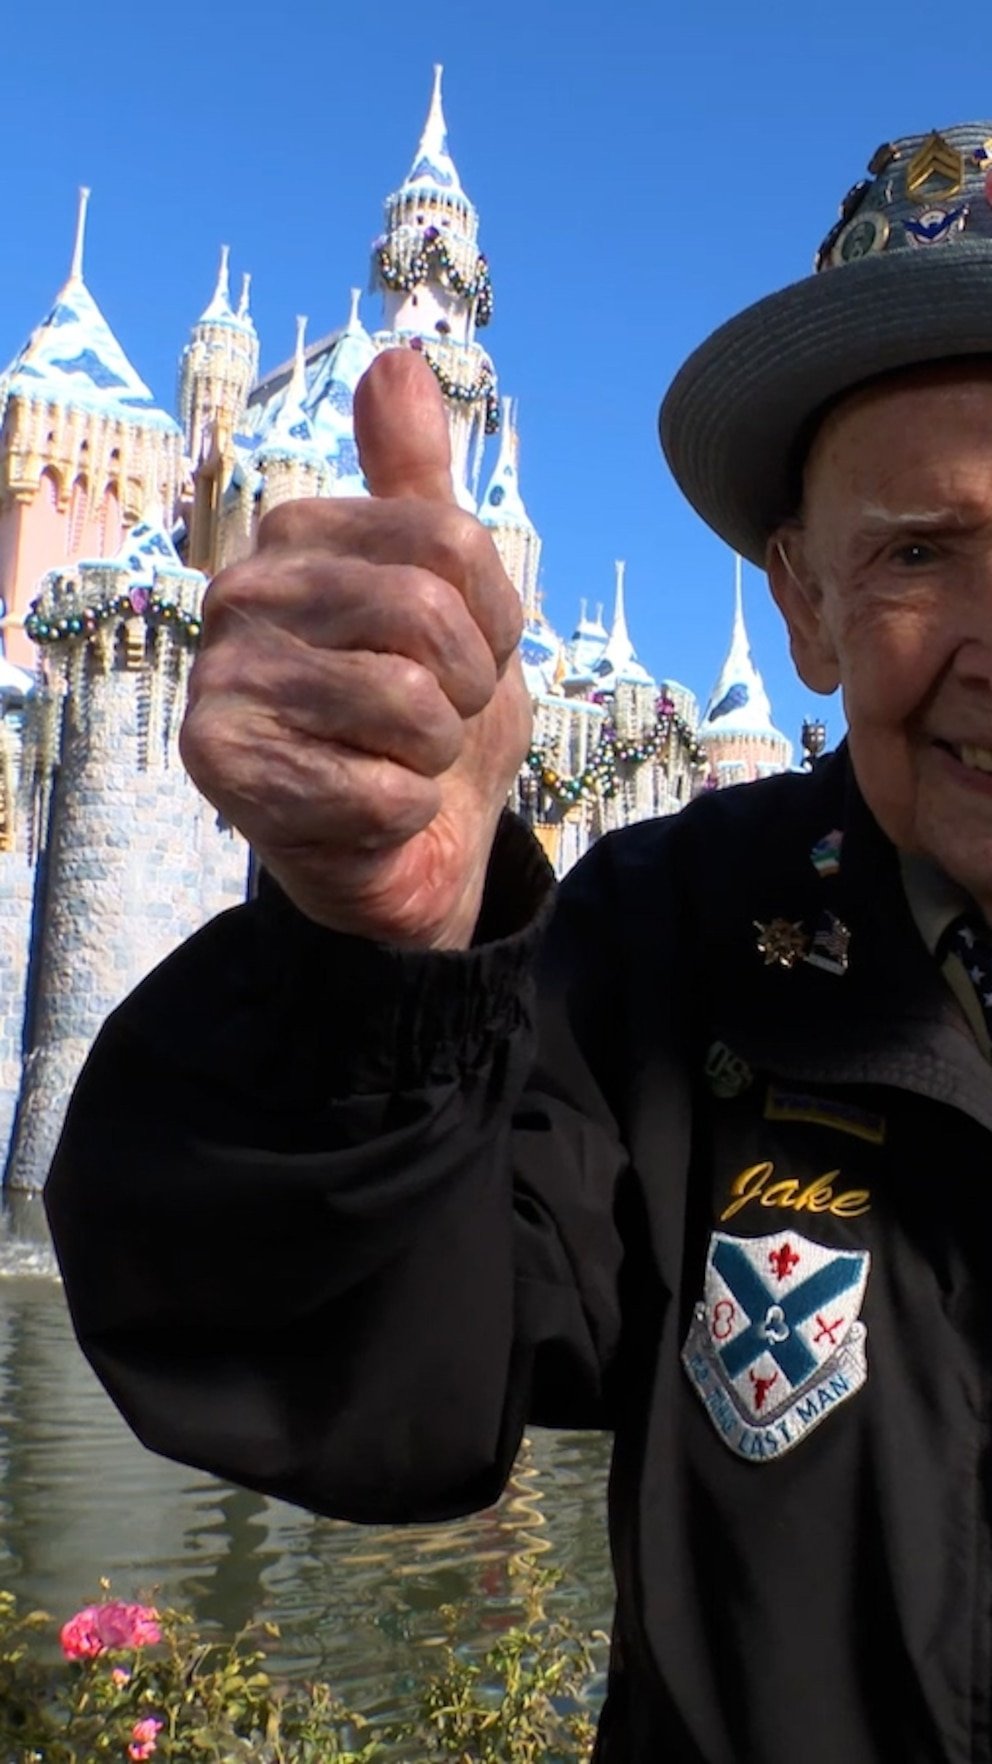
(113,514)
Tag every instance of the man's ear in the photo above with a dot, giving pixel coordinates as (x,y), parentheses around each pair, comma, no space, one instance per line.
(800,601)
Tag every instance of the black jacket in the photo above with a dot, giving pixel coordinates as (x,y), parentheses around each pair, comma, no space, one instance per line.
(331,1228)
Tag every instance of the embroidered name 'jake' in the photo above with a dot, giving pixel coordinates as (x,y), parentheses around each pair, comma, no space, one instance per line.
(755,1186)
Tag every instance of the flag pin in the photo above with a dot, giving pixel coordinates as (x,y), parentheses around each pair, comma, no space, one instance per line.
(830,946)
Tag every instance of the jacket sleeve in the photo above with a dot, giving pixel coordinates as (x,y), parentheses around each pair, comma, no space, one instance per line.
(331,1223)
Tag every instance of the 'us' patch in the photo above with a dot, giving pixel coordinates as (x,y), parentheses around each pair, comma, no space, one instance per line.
(776,1343)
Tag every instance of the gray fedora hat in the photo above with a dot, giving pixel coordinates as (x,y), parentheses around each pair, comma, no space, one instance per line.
(903,277)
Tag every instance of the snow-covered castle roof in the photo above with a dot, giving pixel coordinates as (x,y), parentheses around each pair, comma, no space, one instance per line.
(74,358)
(738,703)
(320,384)
(618,662)
(502,504)
(433,166)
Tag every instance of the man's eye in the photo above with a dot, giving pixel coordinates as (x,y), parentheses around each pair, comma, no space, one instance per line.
(915,553)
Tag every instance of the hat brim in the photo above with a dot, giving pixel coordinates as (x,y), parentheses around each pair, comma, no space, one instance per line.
(738,414)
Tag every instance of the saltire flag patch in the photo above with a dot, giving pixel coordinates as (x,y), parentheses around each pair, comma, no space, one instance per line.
(776,1343)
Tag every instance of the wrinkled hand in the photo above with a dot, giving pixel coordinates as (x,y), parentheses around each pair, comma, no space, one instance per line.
(357,709)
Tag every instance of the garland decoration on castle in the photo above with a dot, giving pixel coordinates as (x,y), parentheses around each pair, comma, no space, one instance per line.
(151,604)
(483,388)
(603,773)
(432,254)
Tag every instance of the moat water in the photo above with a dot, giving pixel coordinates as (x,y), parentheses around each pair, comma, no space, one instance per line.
(80,1499)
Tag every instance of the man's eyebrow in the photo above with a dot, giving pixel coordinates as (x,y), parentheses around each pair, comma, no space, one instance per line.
(874,520)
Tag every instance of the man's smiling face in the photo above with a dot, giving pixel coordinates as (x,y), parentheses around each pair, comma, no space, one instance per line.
(886,585)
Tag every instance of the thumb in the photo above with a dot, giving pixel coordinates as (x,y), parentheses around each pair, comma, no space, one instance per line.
(401,428)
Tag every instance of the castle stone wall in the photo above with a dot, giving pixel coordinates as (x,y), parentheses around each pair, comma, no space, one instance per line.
(135,865)
(17,881)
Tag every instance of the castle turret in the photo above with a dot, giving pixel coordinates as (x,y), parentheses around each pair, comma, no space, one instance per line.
(216,374)
(587,644)
(288,458)
(218,368)
(737,731)
(502,510)
(618,664)
(132,859)
(17,889)
(84,450)
(332,399)
(436,291)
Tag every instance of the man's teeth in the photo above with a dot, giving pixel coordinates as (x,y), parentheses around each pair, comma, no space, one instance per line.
(979,758)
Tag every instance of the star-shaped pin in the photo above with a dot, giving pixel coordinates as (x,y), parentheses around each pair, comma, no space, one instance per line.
(782,942)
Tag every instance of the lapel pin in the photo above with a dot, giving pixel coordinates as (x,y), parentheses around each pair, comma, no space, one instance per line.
(825,855)
(782,942)
(830,946)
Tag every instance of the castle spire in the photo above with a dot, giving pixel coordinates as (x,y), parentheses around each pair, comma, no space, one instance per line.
(739,702)
(244,307)
(502,504)
(292,424)
(502,510)
(220,303)
(297,388)
(619,634)
(76,268)
(739,634)
(619,658)
(354,322)
(432,163)
(436,286)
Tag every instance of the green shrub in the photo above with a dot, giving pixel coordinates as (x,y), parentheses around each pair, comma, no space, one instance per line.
(180,1699)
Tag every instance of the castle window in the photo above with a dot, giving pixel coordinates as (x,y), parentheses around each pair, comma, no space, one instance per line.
(77,515)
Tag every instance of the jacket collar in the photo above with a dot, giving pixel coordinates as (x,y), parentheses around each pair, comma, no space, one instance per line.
(890,1018)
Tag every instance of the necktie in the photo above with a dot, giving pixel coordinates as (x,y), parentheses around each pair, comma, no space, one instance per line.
(971,942)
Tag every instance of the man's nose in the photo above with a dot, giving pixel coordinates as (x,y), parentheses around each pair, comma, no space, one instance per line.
(973,652)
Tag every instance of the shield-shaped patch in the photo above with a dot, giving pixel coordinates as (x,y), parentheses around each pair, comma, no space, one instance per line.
(776,1342)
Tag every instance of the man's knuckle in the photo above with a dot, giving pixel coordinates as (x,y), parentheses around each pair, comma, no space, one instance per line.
(292,525)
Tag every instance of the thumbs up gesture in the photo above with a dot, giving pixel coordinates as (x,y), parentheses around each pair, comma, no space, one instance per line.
(357,708)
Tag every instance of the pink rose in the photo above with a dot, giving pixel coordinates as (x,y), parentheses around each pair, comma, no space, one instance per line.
(98,1628)
(143,1738)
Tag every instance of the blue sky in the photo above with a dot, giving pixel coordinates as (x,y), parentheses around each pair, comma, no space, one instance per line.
(642,172)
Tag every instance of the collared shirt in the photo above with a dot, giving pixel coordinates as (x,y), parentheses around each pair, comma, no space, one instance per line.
(935,902)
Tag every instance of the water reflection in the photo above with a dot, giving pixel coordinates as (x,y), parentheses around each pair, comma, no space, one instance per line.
(80,1498)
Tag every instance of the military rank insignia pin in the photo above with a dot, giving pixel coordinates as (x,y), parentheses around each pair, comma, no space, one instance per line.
(781,942)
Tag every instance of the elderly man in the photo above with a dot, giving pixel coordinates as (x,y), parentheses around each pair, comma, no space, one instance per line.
(401,1156)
